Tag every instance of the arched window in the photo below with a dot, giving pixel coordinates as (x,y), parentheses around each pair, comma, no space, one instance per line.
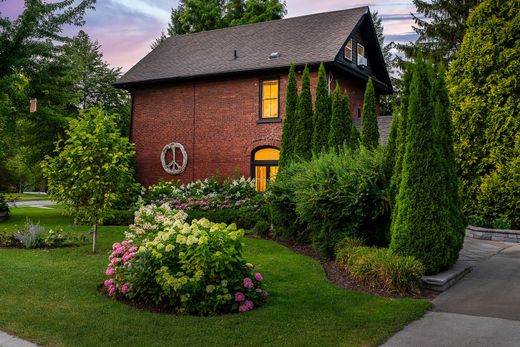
(264,166)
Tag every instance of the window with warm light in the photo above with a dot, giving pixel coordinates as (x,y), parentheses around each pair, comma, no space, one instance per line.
(265,166)
(348,50)
(269,94)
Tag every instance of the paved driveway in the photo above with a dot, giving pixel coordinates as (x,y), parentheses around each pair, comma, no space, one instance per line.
(483,309)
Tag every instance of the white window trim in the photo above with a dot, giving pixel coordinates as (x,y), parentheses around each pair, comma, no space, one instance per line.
(349,58)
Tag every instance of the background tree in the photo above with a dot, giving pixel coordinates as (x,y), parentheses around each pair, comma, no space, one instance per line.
(289,125)
(341,132)
(441,25)
(484,85)
(423,225)
(322,113)
(304,116)
(92,170)
(369,127)
(192,16)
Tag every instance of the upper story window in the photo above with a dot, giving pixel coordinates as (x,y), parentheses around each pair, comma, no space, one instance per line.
(269,95)
(361,59)
(348,50)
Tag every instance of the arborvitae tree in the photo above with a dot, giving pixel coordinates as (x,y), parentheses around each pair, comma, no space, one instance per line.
(341,132)
(423,223)
(484,85)
(322,113)
(391,146)
(303,124)
(444,139)
(289,125)
(369,127)
(401,132)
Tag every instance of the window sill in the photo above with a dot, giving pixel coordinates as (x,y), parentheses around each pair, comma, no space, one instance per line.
(269,120)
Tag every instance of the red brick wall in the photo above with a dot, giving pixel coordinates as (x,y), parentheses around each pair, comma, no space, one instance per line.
(216,121)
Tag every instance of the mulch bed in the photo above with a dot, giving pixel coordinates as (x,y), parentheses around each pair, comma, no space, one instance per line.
(340,277)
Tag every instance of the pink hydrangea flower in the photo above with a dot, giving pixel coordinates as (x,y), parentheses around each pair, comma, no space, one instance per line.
(243,308)
(248,283)
(108,282)
(239,296)
(115,246)
(111,290)
(114,261)
(249,304)
(258,290)
(258,277)
(124,243)
(124,288)
(133,249)
(110,271)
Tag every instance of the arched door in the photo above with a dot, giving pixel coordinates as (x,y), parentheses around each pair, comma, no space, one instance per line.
(264,166)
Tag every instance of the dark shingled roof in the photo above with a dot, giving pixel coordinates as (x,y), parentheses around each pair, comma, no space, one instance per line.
(305,40)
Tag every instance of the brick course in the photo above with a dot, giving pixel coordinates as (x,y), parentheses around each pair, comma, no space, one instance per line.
(215,120)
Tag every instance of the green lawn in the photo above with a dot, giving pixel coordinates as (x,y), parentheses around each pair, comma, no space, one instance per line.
(28,197)
(50,297)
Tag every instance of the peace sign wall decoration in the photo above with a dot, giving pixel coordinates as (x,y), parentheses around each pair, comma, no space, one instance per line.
(175,166)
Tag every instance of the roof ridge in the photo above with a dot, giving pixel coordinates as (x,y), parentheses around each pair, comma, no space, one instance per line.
(265,22)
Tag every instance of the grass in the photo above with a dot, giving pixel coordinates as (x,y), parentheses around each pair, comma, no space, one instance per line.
(50,297)
(27,197)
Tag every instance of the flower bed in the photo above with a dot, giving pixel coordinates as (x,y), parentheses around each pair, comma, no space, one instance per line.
(37,236)
(192,268)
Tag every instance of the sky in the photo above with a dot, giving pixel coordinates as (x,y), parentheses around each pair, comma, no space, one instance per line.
(126,28)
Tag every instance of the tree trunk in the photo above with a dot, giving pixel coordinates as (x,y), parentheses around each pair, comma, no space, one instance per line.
(94,239)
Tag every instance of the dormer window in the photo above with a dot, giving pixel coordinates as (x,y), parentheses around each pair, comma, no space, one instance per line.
(361,59)
(348,50)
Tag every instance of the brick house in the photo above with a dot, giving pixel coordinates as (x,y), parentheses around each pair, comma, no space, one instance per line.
(213,102)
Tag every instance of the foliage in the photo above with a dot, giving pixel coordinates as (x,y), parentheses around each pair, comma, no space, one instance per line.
(92,170)
(243,217)
(369,127)
(304,117)
(483,87)
(342,129)
(441,25)
(119,217)
(192,268)
(391,146)
(322,113)
(289,125)
(3,203)
(379,268)
(193,16)
(262,228)
(426,223)
(335,195)
(37,236)
(31,236)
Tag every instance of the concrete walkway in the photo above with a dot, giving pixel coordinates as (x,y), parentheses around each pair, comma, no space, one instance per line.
(36,203)
(483,309)
(7,340)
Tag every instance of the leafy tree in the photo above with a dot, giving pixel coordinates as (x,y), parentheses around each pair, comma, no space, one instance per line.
(289,125)
(304,116)
(369,127)
(92,169)
(484,85)
(423,224)
(341,125)
(441,25)
(322,113)
(192,16)
(93,79)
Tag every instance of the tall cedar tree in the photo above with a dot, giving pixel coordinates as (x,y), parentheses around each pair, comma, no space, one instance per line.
(369,127)
(289,125)
(391,146)
(444,137)
(484,85)
(303,124)
(400,142)
(322,113)
(441,25)
(341,132)
(423,226)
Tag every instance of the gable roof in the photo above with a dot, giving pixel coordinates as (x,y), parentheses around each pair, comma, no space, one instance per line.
(303,40)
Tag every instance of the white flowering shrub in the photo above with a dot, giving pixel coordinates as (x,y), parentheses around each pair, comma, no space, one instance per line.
(192,268)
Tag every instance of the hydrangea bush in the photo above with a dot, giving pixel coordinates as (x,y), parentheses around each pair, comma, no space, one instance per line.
(208,194)
(192,268)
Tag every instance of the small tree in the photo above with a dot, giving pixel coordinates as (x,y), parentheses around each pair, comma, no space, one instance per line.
(369,127)
(322,113)
(303,124)
(425,223)
(341,132)
(289,126)
(92,169)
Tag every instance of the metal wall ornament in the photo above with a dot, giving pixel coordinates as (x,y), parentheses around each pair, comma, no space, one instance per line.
(174,167)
